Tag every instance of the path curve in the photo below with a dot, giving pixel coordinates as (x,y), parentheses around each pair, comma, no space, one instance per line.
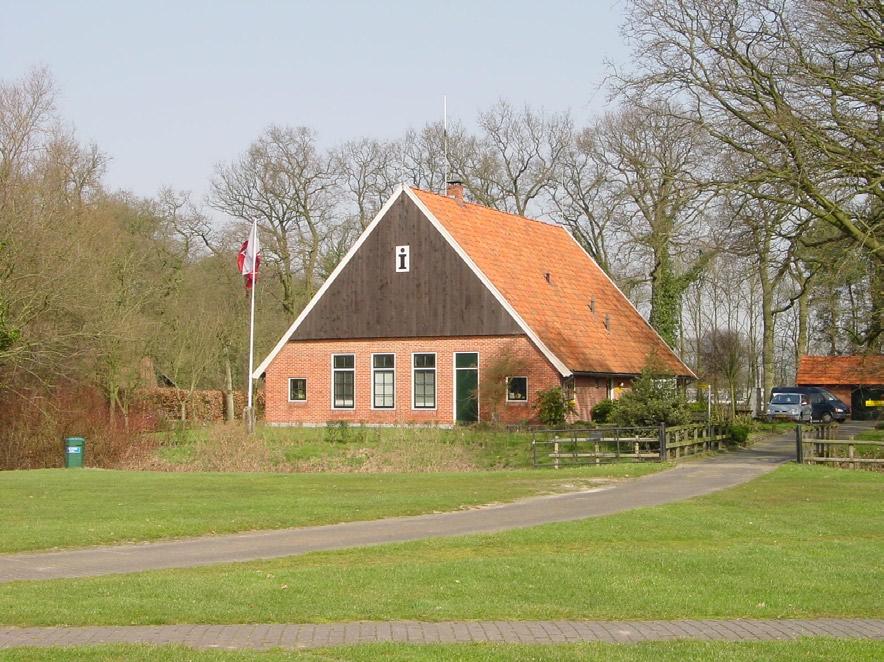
(687,480)
(310,635)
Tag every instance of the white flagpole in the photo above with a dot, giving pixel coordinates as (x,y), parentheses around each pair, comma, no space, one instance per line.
(250,423)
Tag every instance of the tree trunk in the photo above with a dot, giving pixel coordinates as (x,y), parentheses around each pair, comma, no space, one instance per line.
(665,297)
(803,317)
(767,336)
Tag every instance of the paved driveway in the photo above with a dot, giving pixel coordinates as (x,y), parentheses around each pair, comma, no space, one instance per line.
(687,480)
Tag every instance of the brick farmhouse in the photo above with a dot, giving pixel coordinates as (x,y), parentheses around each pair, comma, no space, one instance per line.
(446,311)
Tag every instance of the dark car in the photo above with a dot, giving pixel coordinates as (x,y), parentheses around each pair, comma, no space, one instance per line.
(825,407)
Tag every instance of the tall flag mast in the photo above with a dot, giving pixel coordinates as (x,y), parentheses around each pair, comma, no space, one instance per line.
(444,143)
(248,261)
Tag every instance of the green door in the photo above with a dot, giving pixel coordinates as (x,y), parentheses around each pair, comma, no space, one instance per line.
(466,369)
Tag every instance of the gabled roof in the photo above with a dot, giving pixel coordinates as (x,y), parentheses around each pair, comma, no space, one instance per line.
(544,279)
(859,370)
(517,254)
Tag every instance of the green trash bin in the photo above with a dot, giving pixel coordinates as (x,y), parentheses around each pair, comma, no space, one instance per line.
(74,448)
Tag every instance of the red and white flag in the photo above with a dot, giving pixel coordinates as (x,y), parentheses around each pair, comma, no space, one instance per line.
(249,258)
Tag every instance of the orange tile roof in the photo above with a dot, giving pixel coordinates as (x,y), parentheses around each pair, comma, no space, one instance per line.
(516,253)
(859,370)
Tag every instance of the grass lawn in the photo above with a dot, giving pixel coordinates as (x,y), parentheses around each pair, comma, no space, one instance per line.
(802,541)
(77,507)
(871,435)
(342,448)
(816,649)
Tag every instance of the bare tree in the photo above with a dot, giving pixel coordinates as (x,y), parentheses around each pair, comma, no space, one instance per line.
(657,162)
(187,223)
(365,166)
(583,199)
(794,86)
(291,189)
(26,111)
(723,355)
(516,157)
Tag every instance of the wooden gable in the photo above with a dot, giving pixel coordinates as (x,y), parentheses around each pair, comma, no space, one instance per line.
(438,295)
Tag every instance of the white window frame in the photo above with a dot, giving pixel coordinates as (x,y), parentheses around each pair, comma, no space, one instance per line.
(522,402)
(374,370)
(436,382)
(454,370)
(333,371)
(291,379)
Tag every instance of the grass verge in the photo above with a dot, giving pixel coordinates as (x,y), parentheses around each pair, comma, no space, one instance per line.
(800,542)
(338,447)
(811,650)
(73,508)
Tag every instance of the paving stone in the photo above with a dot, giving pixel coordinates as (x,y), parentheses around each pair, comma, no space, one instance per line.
(306,635)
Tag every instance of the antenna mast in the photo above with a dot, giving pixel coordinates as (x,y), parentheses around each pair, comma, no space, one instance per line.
(444,143)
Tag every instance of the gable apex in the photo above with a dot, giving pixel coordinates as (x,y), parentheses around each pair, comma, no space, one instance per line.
(486,311)
(262,367)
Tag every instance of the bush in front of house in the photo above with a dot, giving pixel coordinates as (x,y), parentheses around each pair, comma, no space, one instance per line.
(653,399)
(601,411)
(553,407)
(739,432)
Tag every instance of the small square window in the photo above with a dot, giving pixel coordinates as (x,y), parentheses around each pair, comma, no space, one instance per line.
(297,389)
(516,389)
(344,361)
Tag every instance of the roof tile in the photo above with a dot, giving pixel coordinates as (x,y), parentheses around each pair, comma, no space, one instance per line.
(515,253)
(858,369)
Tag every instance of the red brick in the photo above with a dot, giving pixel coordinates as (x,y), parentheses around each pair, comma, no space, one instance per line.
(312,360)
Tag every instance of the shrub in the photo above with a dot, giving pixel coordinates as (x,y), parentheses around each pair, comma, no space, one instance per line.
(653,399)
(553,407)
(739,432)
(601,411)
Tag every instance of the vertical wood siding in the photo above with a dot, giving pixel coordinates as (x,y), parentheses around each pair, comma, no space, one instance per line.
(439,296)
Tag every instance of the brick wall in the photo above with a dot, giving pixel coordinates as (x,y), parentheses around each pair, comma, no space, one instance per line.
(312,360)
(589,391)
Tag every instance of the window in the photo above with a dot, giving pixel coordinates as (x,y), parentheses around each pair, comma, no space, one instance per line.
(297,389)
(383,381)
(516,389)
(342,381)
(424,381)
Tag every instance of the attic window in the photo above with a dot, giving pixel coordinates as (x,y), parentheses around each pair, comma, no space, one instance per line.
(592,305)
(548,277)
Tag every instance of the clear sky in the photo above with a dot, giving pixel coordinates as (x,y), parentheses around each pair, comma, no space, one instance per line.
(169,89)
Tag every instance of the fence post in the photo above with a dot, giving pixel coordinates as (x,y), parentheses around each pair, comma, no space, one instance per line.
(662,437)
(534,449)
(799,444)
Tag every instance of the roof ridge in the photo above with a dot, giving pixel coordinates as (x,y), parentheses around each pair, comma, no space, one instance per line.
(550,223)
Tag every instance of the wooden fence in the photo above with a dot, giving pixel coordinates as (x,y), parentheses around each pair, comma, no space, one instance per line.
(817,444)
(575,447)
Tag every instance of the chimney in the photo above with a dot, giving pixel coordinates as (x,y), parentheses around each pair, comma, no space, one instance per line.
(455,189)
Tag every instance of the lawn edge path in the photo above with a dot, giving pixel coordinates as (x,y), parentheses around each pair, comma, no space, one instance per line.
(685,481)
(258,636)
